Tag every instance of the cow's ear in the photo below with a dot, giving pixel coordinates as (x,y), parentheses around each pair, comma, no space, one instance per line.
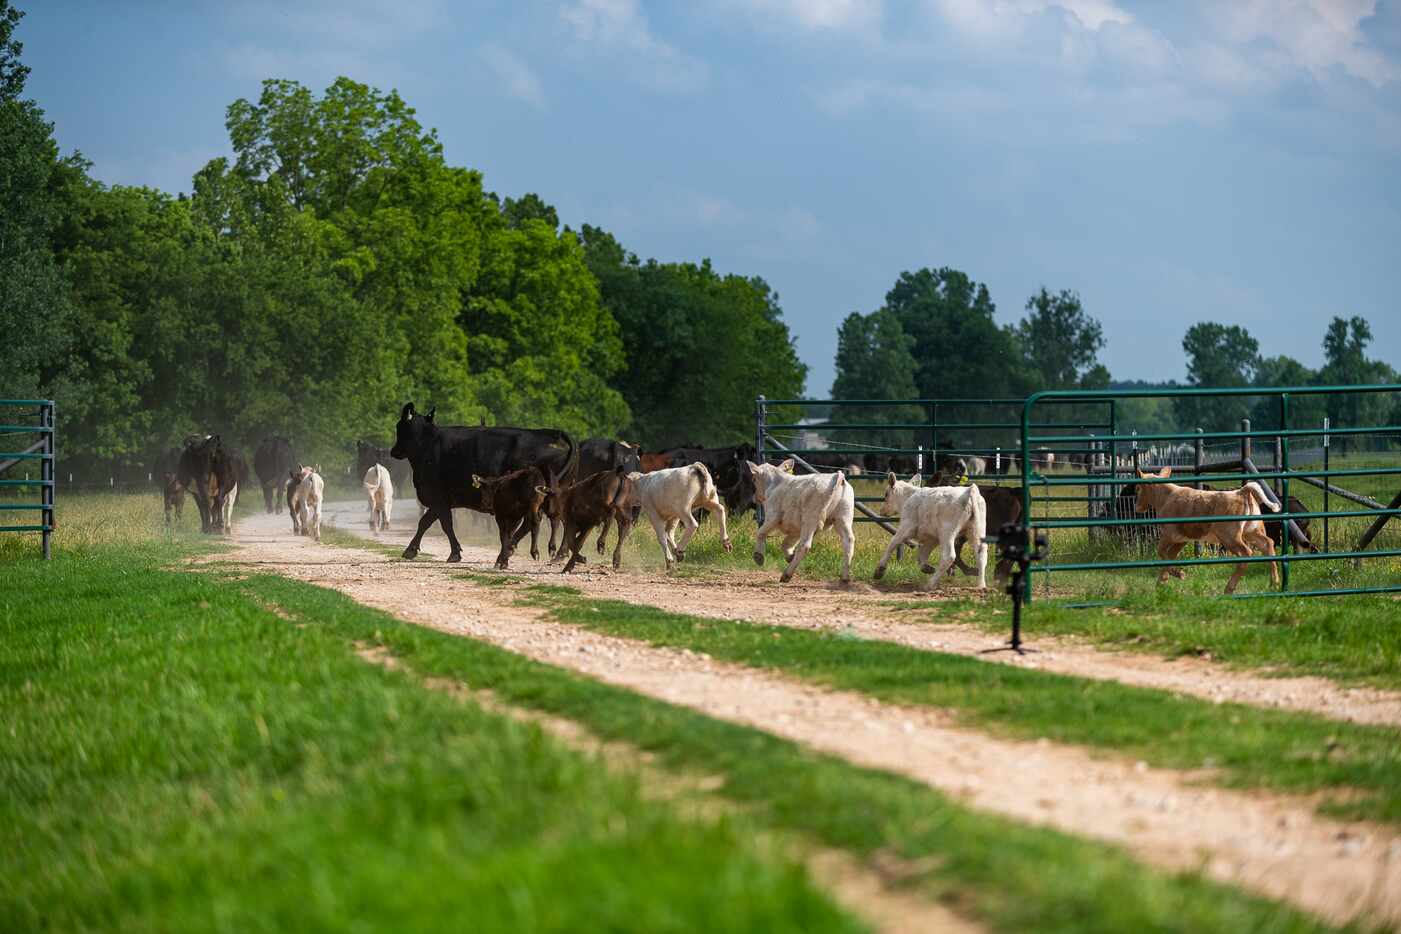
(786,466)
(917,480)
(753,468)
(890,478)
(407,412)
(543,491)
(1142,475)
(476,481)
(429,416)
(1165,472)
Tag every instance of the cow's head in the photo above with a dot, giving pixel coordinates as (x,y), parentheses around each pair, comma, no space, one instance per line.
(410,434)
(1150,493)
(896,492)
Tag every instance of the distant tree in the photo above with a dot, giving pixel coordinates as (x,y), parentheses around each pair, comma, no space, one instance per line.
(529,207)
(699,346)
(1061,342)
(959,350)
(1346,364)
(1218,356)
(874,362)
(1304,410)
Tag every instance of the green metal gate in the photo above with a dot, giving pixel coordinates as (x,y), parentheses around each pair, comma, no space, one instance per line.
(1033,435)
(38,447)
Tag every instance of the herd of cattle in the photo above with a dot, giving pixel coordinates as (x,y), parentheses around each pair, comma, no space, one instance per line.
(525,477)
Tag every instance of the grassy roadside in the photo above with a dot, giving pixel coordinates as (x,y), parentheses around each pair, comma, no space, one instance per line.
(176,756)
(1347,639)
(1246,746)
(968,859)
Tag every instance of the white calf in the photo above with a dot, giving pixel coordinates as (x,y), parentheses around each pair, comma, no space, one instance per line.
(309,502)
(380,489)
(935,516)
(800,507)
(670,496)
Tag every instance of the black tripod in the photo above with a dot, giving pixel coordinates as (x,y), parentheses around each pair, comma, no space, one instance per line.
(1014,543)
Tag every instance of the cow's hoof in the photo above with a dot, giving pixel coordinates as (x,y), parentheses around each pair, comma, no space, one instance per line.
(581,559)
(680,556)
(728,545)
(785,577)
(410,553)
(455,557)
(534,555)
(759,558)
(926,569)
(880,572)
(617,564)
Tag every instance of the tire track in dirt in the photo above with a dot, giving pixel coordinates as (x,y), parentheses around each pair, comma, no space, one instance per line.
(856,610)
(1274,845)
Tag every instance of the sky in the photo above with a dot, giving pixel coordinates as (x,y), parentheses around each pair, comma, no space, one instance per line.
(1236,161)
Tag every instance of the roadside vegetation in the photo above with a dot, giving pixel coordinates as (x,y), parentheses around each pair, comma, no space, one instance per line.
(1357,767)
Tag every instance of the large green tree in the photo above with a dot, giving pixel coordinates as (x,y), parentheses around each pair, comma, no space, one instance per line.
(1061,342)
(34,306)
(1218,356)
(700,346)
(874,361)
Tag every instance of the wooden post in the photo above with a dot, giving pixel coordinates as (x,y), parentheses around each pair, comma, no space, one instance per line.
(1376,526)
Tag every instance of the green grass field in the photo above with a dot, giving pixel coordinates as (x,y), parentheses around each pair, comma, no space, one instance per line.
(197,750)
(178,756)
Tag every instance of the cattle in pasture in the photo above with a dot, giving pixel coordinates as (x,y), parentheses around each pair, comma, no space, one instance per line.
(174,496)
(582,506)
(1237,537)
(271,462)
(939,516)
(294,499)
(516,501)
(1275,528)
(444,459)
(367,455)
(212,474)
(726,466)
(1001,505)
(310,490)
(671,496)
(379,488)
(799,508)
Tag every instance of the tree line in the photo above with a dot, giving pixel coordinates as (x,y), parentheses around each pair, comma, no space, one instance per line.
(335,266)
(935,337)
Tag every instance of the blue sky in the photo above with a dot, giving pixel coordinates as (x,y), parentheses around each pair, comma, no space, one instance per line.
(1227,160)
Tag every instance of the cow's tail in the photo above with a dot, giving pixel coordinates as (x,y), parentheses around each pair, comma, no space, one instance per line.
(970,510)
(702,473)
(571,460)
(835,493)
(1252,491)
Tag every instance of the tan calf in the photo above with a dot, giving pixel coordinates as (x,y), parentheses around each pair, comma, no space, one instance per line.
(1242,538)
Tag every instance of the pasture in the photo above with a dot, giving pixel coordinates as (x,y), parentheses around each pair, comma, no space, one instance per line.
(270,746)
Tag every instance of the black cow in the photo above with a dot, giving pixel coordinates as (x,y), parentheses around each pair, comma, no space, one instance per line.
(271,462)
(444,460)
(212,474)
(174,495)
(367,455)
(515,500)
(597,454)
(1275,528)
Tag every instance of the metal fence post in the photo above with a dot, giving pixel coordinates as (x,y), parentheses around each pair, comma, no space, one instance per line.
(46,473)
(1197,454)
(1326,484)
(1282,467)
(759,419)
(1245,441)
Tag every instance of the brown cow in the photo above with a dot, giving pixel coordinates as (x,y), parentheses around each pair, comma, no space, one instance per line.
(515,499)
(1240,538)
(174,497)
(584,505)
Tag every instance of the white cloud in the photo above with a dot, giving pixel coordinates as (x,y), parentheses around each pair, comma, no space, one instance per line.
(823,14)
(620,27)
(1318,35)
(1003,19)
(517,78)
